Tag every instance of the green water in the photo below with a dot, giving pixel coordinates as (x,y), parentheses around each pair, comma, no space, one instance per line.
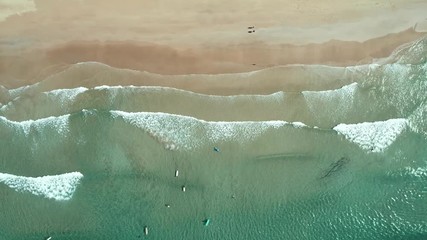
(288,195)
(279,182)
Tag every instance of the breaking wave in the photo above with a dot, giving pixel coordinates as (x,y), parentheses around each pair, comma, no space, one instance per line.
(58,187)
(375,136)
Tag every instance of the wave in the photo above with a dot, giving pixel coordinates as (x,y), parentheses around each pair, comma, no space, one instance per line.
(320,108)
(266,81)
(339,102)
(55,124)
(289,78)
(410,53)
(176,131)
(374,137)
(4,95)
(146,99)
(182,132)
(418,119)
(173,131)
(351,95)
(316,95)
(66,96)
(58,187)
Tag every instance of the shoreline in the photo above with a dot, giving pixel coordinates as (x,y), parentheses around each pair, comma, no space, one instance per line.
(165,60)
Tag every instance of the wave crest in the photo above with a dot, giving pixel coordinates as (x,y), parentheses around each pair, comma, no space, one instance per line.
(58,187)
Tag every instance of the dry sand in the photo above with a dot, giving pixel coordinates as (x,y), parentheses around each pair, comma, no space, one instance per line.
(184,37)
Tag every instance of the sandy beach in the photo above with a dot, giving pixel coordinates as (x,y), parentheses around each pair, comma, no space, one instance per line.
(183,37)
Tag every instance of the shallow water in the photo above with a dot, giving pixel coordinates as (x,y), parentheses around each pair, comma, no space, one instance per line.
(269,179)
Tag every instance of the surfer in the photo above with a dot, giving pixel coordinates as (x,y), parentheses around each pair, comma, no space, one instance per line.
(206,222)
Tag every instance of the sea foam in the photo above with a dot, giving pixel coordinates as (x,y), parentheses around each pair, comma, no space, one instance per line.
(58,187)
(373,136)
(176,131)
(338,101)
(173,131)
(65,96)
(59,124)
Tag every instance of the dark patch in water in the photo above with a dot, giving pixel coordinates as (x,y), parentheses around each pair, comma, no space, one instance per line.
(335,167)
(283,156)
